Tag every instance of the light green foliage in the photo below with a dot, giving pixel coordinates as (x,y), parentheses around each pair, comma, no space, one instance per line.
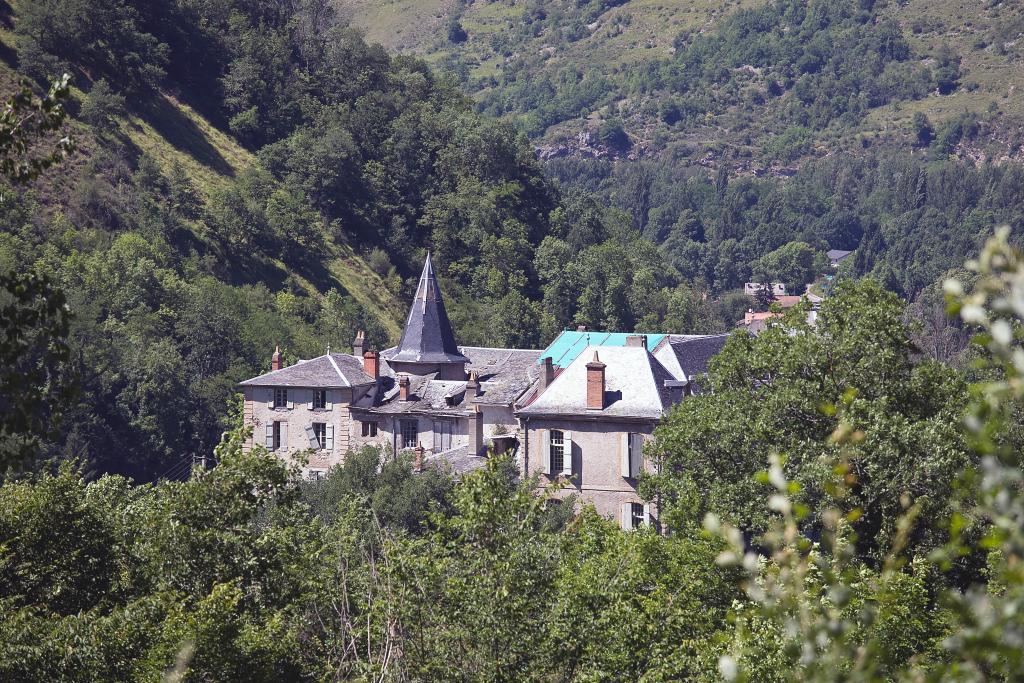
(796,264)
(773,392)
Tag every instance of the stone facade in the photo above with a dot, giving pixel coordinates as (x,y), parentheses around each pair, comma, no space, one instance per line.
(600,472)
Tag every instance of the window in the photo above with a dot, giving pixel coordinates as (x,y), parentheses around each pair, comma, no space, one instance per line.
(319,440)
(631,452)
(316,475)
(557,451)
(276,441)
(637,516)
(409,433)
(319,398)
(369,429)
(280,398)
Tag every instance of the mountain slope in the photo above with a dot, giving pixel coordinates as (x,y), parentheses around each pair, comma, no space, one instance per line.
(598,56)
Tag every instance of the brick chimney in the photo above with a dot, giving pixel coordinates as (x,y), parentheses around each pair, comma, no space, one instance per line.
(403,388)
(358,344)
(475,430)
(547,374)
(275,360)
(371,364)
(595,384)
(417,463)
(637,340)
(472,387)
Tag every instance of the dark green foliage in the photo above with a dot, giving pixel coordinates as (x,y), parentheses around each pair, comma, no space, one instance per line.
(36,379)
(27,121)
(102,107)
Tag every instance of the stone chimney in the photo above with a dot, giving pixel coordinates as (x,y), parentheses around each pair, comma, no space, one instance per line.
(403,388)
(595,384)
(637,340)
(275,360)
(417,463)
(371,364)
(472,387)
(547,374)
(358,344)
(476,430)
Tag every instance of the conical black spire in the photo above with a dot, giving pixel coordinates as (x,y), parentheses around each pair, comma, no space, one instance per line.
(428,336)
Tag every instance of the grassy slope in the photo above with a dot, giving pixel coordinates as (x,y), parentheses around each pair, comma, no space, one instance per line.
(171,131)
(644,29)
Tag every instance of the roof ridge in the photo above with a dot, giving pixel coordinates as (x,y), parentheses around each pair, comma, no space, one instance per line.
(334,364)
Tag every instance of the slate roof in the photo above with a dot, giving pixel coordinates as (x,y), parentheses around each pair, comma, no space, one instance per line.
(427,336)
(503,374)
(459,459)
(634,386)
(838,254)
(330,371)
(687,356)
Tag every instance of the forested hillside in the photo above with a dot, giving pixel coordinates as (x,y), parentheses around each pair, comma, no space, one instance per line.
(283,193)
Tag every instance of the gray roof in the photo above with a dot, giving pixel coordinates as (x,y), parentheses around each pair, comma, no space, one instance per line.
(459,459)
(687,356)
(427,336)
(634,386)
(503,374)
(330,371)
(838,254)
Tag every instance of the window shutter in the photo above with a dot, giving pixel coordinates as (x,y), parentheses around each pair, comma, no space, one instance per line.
(327,396)
(270,398)
(624,459)
(626,517)
(289,395)
(636,461)
(567,453)
(311,435)
(270,436)
(647,514)
(284,436)
(546,452)
(329,438)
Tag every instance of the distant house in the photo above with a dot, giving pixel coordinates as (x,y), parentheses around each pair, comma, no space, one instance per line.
(837,256)
(757,322)
(752,288)
(581,410)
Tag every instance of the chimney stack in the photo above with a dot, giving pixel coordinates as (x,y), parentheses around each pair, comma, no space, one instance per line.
(275,360)
(357,345)
(637,340)
(417,463)
(475,430)
(403,388)
(595,384)
(472,387)
(371,364)
(547,373)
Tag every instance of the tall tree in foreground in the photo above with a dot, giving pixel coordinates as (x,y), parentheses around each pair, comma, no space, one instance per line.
(773,392)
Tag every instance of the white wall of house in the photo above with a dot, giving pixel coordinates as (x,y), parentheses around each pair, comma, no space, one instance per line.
(600,459)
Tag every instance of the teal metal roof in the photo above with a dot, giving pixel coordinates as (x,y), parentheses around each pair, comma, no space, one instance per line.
(570,344)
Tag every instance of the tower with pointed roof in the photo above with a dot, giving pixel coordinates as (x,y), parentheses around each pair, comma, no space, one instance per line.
(428,344)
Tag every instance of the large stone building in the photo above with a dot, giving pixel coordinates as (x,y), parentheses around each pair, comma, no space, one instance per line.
(581,409)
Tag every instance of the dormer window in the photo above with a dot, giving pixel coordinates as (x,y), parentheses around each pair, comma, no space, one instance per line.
(280,398)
